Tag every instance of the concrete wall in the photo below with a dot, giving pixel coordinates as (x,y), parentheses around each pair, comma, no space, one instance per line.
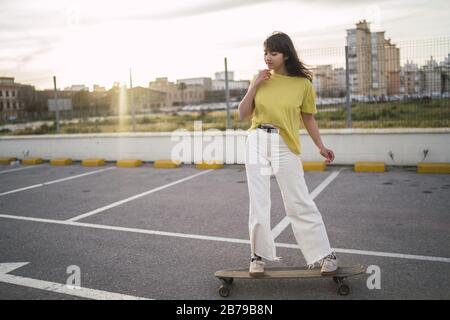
(349,146)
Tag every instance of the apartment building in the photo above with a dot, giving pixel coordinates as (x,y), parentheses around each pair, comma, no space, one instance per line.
(436,77)
(329,81)
(411,79)
(15,98)
(374,62)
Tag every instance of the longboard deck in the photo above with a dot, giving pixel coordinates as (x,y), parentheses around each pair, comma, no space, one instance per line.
(289,272)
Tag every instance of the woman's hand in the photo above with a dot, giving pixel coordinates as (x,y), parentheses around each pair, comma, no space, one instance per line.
(262,76)
(328,154)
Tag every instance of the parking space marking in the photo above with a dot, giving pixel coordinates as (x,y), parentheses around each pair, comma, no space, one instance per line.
(24,168)
(221,239)
(55,181)
(284,223)
(58,287)
(118,203)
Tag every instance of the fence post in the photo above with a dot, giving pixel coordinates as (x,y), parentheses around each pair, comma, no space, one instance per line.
(347,86)
(55,95)
(227,95)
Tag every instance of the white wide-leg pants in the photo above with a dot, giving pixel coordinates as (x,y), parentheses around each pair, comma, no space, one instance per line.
(267,154)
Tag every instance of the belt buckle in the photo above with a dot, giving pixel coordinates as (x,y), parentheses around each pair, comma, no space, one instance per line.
(268,127)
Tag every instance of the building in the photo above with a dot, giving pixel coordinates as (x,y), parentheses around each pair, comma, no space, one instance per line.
(374,62)
(436,77)
(97,88)
(145,100)
(100,101)
(329,81)
(193,90)
(219,82)
(432,85)
(445,68)
(9,98)
(322,80)
(411,79)
(184,91)
(392,67)
(16,99)
(206,83)
(77,88)
(338,82)
(221,75)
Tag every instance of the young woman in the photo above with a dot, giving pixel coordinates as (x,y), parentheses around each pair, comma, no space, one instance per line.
(276,100)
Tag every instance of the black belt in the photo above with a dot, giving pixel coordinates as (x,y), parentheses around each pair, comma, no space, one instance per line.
(268,128)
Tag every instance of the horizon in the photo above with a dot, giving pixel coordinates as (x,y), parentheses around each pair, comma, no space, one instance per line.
(80,43)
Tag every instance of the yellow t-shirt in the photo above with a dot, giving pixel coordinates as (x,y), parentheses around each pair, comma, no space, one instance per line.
(279,100)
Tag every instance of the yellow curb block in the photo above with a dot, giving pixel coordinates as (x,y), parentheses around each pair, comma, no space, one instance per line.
(370,167)
(314,166)
(206,165)
(7,160)
(61,162)
(433,167)
(128,163)
(93,162)
(166,164)
(31,161)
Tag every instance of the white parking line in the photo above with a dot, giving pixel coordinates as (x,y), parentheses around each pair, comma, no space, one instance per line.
(55,181)
(24,168)
(58,287)
(118,203)
(283,224)
(221,239)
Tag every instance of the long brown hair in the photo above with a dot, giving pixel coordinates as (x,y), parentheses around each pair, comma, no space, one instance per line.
(280,42)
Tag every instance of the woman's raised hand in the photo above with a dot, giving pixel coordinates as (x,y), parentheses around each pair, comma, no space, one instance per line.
(262,76)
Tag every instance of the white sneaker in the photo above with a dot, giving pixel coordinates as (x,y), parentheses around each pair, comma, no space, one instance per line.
(256,268)
(329,264)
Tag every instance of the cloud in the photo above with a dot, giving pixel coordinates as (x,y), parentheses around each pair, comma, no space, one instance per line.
(178,10)
(42,29)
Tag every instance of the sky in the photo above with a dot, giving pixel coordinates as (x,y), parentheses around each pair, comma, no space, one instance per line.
(98,41)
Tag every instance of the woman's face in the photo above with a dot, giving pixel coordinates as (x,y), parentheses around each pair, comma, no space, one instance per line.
(273,59)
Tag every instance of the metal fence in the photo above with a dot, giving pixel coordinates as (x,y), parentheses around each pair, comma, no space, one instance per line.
(383,84)
(380,84)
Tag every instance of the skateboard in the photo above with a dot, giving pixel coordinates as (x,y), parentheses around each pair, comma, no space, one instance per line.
(226,277)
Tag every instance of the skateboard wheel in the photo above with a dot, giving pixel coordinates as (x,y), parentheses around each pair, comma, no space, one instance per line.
(228,280)
(343,289)
(224,291)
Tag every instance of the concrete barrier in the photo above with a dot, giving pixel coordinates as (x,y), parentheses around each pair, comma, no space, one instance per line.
(31,161)
(61,162)
(391,146)
(128,163)
(92,162)
(424,167)
(166,164)
(368,166)
(314,165)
